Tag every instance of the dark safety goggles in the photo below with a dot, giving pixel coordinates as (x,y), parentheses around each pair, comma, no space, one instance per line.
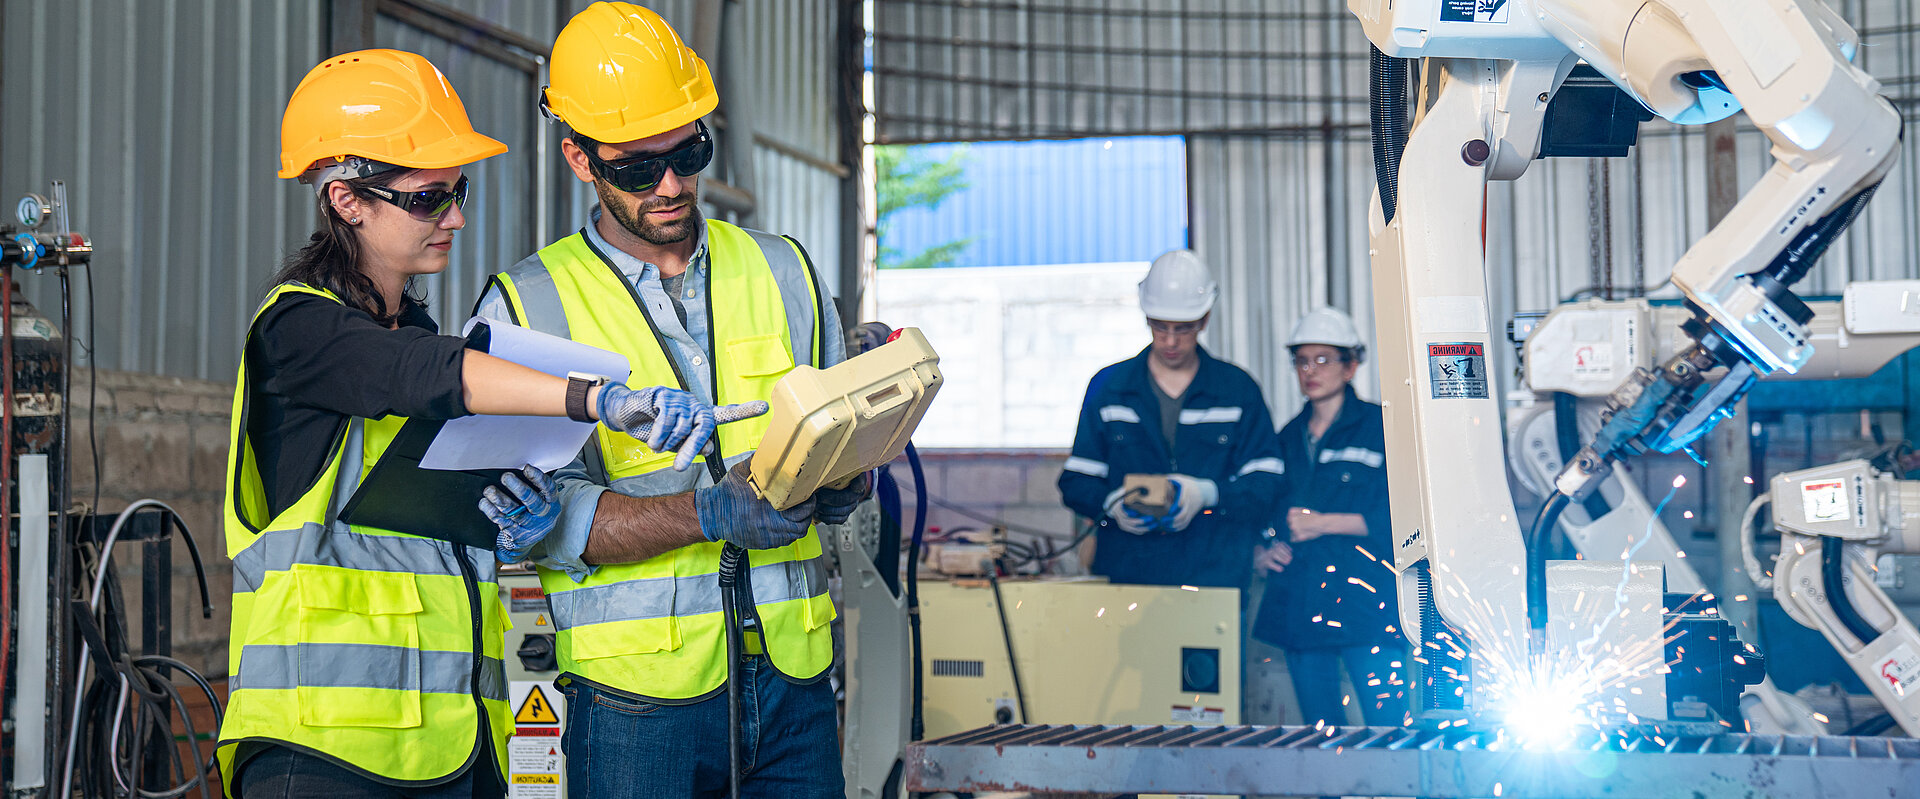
(431,205)
(642,172)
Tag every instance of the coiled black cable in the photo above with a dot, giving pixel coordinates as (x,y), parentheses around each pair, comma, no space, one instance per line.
(1388,124)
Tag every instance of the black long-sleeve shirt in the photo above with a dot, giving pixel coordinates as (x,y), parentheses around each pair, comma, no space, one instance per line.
(314,363)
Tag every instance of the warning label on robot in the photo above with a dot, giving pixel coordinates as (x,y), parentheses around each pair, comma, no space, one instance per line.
(1458,370)
(1474,10)
(1901,669)
(1824,500)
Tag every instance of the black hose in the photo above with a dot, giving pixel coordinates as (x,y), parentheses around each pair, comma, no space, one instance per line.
(1873,726)
(731,556)
(1388,124)
(1832,565)
(1798,258)
(1006,634)
(886,491)
(1538,540)
(917,727)
(1566,428)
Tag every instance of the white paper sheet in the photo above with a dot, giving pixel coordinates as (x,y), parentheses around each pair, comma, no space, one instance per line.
(508,442)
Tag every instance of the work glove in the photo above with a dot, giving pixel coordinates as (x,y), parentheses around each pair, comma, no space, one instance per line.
(731,510)
(1190,496)
(1124,517)
(833,505)
(668,418)
(526,507)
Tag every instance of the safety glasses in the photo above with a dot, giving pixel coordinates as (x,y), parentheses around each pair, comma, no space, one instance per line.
(431,205)
(642,172)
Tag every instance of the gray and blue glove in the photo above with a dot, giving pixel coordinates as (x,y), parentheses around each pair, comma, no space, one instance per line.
(668,418)
(731,510)
(833,505)
(526,507)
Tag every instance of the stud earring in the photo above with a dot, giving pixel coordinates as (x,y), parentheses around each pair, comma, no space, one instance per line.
(354,221)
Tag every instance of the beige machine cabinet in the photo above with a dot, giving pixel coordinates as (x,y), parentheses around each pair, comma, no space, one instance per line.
(535,767)
(1089,653)
(828,425)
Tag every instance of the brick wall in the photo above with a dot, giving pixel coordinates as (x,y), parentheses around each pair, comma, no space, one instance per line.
(162,438)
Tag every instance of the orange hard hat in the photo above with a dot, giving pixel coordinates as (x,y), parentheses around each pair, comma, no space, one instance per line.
(621,74)
(388,106)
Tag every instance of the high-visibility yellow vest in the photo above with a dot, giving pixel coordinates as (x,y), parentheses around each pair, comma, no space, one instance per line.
(371,647)
(654,628)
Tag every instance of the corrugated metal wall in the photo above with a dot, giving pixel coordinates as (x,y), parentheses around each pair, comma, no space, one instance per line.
(163,117)
(1279,193)
(949,71)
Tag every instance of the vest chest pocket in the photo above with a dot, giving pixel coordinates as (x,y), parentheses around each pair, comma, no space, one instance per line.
(753,364)
(359,640)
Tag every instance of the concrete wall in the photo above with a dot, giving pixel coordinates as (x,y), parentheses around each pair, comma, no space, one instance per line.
(162,438)
(1017,345)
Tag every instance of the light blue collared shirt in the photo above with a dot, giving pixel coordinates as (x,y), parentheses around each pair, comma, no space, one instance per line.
(690,347)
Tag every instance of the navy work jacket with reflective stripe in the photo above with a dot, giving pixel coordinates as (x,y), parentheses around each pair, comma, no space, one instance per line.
(1225,435)
(1338,591)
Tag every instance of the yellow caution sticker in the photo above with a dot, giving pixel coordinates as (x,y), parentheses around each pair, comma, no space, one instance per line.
(536,779)
(535,709)
(540,620)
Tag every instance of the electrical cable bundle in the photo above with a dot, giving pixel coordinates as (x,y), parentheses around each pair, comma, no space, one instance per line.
(127,709)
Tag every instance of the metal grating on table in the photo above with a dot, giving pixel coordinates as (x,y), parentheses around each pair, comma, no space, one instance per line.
(1396,761)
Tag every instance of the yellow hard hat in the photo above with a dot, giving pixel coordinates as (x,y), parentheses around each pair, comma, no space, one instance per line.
(620,74)
(384,105)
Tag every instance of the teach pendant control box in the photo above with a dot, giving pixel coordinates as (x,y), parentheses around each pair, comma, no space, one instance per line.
(827,426)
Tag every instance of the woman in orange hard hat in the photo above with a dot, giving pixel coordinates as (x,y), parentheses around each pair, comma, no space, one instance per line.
(366,662)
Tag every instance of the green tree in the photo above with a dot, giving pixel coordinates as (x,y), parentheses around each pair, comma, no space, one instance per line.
(907,179)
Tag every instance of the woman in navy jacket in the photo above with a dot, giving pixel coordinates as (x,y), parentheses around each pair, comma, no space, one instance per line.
(1330,596)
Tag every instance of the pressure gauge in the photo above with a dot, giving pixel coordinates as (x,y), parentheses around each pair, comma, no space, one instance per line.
(33,211)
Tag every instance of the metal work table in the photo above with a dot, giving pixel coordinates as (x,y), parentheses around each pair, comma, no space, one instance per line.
(1395,761)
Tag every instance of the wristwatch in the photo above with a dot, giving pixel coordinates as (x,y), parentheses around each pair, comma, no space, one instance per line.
(578,383)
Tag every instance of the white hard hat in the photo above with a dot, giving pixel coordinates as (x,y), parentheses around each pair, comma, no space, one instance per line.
(1329,326)
(1178,288)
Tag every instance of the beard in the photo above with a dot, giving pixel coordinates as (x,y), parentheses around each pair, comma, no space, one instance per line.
(635,221)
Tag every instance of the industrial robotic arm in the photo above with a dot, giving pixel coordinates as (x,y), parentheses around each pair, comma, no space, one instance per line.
(1835,522)
(1490,74)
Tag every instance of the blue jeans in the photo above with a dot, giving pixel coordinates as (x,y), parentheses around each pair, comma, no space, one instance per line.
(1379,676)
(789,742)
(280,772)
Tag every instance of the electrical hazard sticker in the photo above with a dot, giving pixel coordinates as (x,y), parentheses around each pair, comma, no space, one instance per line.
(534,761)
(1900,669)
(1495,11)
(1825,500)
(535,709)
(1458,370)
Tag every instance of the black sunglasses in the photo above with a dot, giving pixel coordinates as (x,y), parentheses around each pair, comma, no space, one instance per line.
(431,205)
(642,172)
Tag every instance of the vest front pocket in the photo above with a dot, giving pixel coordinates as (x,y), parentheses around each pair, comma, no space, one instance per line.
(358,661)
(755,364)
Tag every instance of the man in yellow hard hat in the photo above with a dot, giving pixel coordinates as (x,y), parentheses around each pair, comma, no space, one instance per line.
(722,312)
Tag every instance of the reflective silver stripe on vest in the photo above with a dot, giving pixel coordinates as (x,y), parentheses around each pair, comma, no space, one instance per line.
(660,597)
(538,303)
(792,278)
(279,550)
(285,667)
